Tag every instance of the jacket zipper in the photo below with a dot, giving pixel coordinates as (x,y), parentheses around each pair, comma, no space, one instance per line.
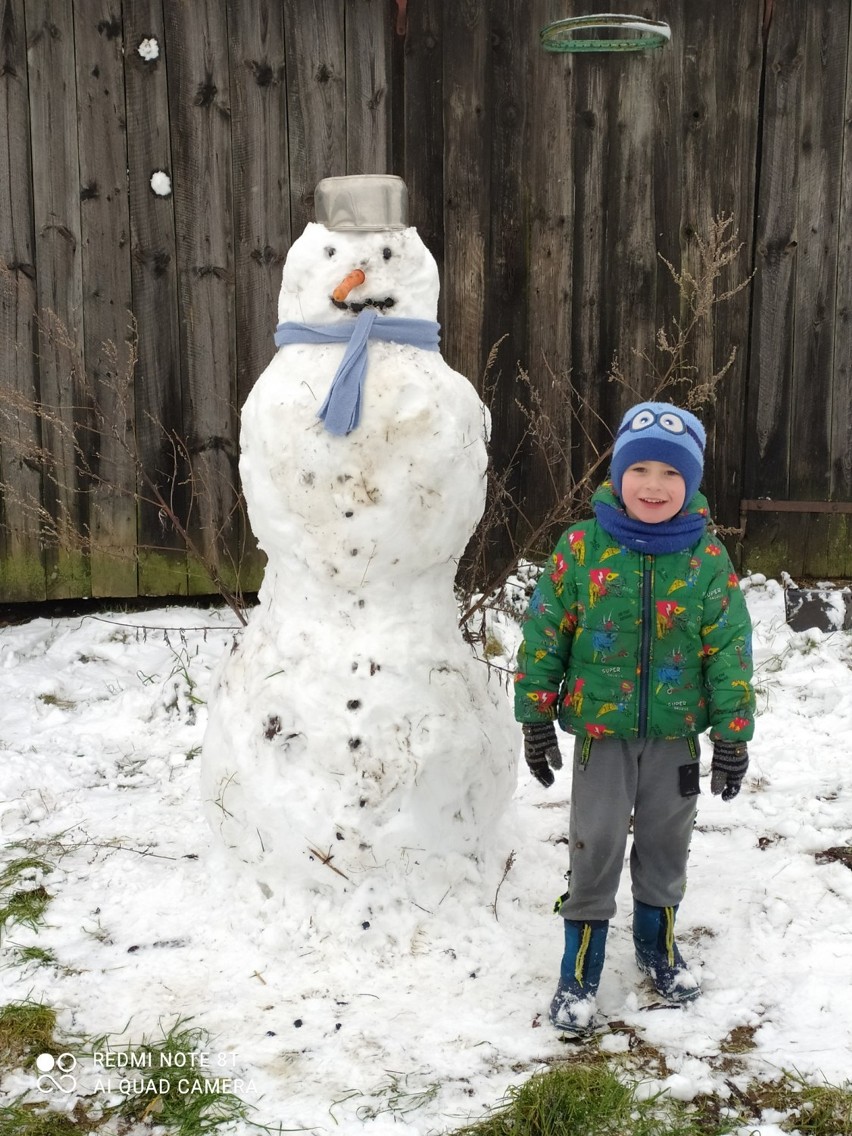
(645,644)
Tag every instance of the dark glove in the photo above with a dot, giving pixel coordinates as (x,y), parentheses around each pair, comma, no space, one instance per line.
(730,762)
(541,751)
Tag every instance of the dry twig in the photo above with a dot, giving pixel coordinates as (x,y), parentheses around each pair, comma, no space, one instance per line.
(507,867)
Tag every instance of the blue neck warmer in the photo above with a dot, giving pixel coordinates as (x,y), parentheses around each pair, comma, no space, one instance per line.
(676,535)
(341,411)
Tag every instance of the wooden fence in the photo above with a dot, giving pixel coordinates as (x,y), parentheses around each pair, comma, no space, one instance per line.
(160,155)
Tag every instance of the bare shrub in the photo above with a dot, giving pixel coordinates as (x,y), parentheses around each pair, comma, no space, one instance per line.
(666,370)
(70,446)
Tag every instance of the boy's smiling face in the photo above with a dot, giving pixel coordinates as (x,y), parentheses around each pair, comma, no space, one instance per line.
(652,491)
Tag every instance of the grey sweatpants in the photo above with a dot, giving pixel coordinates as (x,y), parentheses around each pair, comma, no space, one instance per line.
(618,778)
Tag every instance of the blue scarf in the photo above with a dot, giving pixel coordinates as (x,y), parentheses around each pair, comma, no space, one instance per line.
(676,535)
(341,411)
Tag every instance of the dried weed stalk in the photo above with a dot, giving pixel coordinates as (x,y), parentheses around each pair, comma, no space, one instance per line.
(84,453)
(667,370)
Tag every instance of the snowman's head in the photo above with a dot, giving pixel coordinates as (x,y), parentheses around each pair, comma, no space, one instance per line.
(331,275)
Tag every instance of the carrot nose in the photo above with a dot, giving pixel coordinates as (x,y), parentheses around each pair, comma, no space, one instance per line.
(350,280)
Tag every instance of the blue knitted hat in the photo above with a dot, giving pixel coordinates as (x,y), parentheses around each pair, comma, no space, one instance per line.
(658,431)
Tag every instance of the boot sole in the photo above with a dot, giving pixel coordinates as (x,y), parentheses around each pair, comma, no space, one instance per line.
(675,999)
(571,1033)
(581,1033)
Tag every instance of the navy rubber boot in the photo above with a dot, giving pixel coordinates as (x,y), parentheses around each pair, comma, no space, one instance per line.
(573,1007)
(657,954)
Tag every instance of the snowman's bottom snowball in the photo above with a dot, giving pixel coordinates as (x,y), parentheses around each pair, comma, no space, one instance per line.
(393,775)
(385,913)
(386,919)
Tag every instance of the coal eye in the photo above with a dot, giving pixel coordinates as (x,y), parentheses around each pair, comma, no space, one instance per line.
(642,420)
(386,253)
(672,422)
(330,251)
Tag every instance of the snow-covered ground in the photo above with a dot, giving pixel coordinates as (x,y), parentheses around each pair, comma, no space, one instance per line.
(419,1022)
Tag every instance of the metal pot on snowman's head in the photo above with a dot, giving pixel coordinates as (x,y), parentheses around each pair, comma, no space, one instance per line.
(387,284)
(364,203)
(361,203)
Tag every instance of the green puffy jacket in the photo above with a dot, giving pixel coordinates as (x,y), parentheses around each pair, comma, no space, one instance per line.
(625,644)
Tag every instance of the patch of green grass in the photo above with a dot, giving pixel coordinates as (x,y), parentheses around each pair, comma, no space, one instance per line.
(590,1100)
(26,1029)
(23,898)
(22,1119)
(35,957)
(38,955)
(812,1109)
(179,1094)
(176,1092)
(17,870)
(826,1110)
(24,907)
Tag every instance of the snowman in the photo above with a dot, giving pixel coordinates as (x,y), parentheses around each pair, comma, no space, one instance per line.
(355,746)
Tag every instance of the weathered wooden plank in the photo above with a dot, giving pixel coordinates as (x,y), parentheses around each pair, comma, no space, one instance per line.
(767,460)
(806,78)
(841,407)
(423,129)
(818,186)
(21,561)
(630,265)
(590,354)
(840,545)
(398,19)
(809,547)
(507,250)
(679,83)
(56,208)
(108,336)
(159,419)
(548,170)
(614,235)
(368,32)
(821,544)
(467,184)
(199,100)
(261,181)
(770,546)
(712,138)
(261,191)
(316,101)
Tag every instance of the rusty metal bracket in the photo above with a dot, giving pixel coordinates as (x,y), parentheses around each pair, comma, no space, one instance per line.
(769,505)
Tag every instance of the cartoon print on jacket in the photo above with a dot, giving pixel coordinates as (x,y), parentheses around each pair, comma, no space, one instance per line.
(601,583)
(560,567)
(669,615)
(577,544)
(589,659)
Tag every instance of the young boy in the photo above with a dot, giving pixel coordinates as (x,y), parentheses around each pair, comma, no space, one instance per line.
(637,639)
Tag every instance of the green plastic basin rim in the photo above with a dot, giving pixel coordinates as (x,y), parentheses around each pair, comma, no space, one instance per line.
(643,35)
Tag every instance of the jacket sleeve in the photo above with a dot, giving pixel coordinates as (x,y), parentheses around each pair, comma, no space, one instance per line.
(727,656)
(548,630)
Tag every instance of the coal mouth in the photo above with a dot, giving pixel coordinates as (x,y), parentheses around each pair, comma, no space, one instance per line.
(379,305)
